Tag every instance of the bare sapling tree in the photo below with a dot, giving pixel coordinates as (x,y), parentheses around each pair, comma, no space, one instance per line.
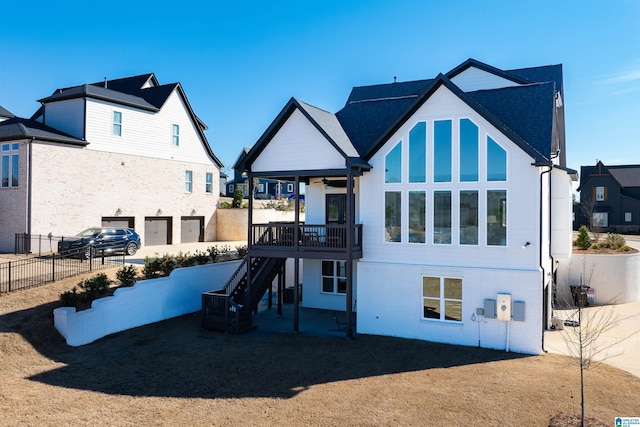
(587,328)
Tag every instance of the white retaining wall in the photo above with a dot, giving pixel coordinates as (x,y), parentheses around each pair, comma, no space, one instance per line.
(615,278)
(148,301)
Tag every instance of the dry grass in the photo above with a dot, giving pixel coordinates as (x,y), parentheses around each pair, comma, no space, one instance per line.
(173,373)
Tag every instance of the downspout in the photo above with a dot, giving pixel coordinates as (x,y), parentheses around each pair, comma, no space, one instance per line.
(29,184)
(544,272)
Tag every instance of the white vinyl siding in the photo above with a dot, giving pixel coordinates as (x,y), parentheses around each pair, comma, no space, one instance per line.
(68,116)
(146,132)
(475,79)
(285,152)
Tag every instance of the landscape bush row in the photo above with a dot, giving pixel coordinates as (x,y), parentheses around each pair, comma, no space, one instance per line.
(98,286)
(612,241)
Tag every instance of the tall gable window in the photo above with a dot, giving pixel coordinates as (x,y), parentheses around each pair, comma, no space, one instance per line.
(418,153)
(442,151)
(117,123)
(442,217)
(496,161)
(175,134)
(393,165)
(468,151)
(9,162)
(393,216)
(417,207)
(497,217)
(601,194)
(469,217)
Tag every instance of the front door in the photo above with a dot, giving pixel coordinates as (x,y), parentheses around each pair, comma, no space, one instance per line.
(336,208)
(336,214)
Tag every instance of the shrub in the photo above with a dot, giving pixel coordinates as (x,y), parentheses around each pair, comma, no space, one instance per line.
(614,241)
(184,260)
(213,253)
(158,266)
(241,251)
(225,205)
(625,248)
(596,246)
(238,195)
(70,298)
(201,258)
(224,249)
(583,241)
(95,286)
(127,275)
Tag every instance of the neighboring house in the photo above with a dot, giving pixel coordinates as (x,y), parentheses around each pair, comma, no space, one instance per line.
(125,152)
(223,183)
(263,189)
(435,209)
(610,198)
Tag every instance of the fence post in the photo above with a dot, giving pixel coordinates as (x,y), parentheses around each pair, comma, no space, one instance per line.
(9,276)
(53,268)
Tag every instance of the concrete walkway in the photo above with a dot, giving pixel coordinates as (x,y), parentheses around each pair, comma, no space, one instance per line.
(620,345)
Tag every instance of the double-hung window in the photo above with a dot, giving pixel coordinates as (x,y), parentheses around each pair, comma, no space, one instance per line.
(117,123)
(188,181)
(442,298)
(334,277)
(9,161)
(175,134)
(209,182)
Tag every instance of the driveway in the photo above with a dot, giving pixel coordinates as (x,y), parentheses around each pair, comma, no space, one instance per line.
(620,345)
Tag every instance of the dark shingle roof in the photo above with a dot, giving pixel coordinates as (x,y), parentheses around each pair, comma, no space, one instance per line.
(18,128)
(526,110)
(5,113)
(524,113)
(547,73)
(97,92)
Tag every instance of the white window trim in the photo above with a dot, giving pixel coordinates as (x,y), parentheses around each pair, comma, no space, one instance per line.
(10,153)
(188,181)
(335,278)
(175,134)
(208,183)
(442,300)
(116,124)
(599,194)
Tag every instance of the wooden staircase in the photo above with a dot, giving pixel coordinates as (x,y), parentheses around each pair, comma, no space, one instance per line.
(230,308)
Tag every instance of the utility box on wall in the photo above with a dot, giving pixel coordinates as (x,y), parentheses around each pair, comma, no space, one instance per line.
(503,307)
(490,308)
(518,311)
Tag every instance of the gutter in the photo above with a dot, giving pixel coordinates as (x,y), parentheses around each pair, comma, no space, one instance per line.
(544,272)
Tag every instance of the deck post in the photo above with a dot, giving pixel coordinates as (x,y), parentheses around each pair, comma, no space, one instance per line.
(249,235)
(296,279)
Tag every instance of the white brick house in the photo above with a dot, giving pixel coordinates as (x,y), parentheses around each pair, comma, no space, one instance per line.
(435,209)
(125,152)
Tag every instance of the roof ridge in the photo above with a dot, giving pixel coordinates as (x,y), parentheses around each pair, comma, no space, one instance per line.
(390,98)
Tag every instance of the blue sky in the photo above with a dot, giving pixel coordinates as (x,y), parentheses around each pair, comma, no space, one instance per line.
(239,62)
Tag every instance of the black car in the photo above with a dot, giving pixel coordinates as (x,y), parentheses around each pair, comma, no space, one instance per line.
(98,240)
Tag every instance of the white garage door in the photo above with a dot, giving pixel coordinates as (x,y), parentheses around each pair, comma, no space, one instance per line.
(192,229)
(157,231)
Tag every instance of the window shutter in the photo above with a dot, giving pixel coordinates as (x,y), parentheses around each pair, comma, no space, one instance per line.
(605,193)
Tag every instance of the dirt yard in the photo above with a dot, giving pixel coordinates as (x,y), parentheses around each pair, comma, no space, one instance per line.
(173,373)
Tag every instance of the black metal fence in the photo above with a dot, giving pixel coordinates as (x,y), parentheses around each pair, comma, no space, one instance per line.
(36,243)
(32,272)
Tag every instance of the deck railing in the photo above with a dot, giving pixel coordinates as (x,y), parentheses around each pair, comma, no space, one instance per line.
(321,237)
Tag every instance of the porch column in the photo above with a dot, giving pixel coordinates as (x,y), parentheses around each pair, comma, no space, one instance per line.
(249,234)
(296,278)
(350,220)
